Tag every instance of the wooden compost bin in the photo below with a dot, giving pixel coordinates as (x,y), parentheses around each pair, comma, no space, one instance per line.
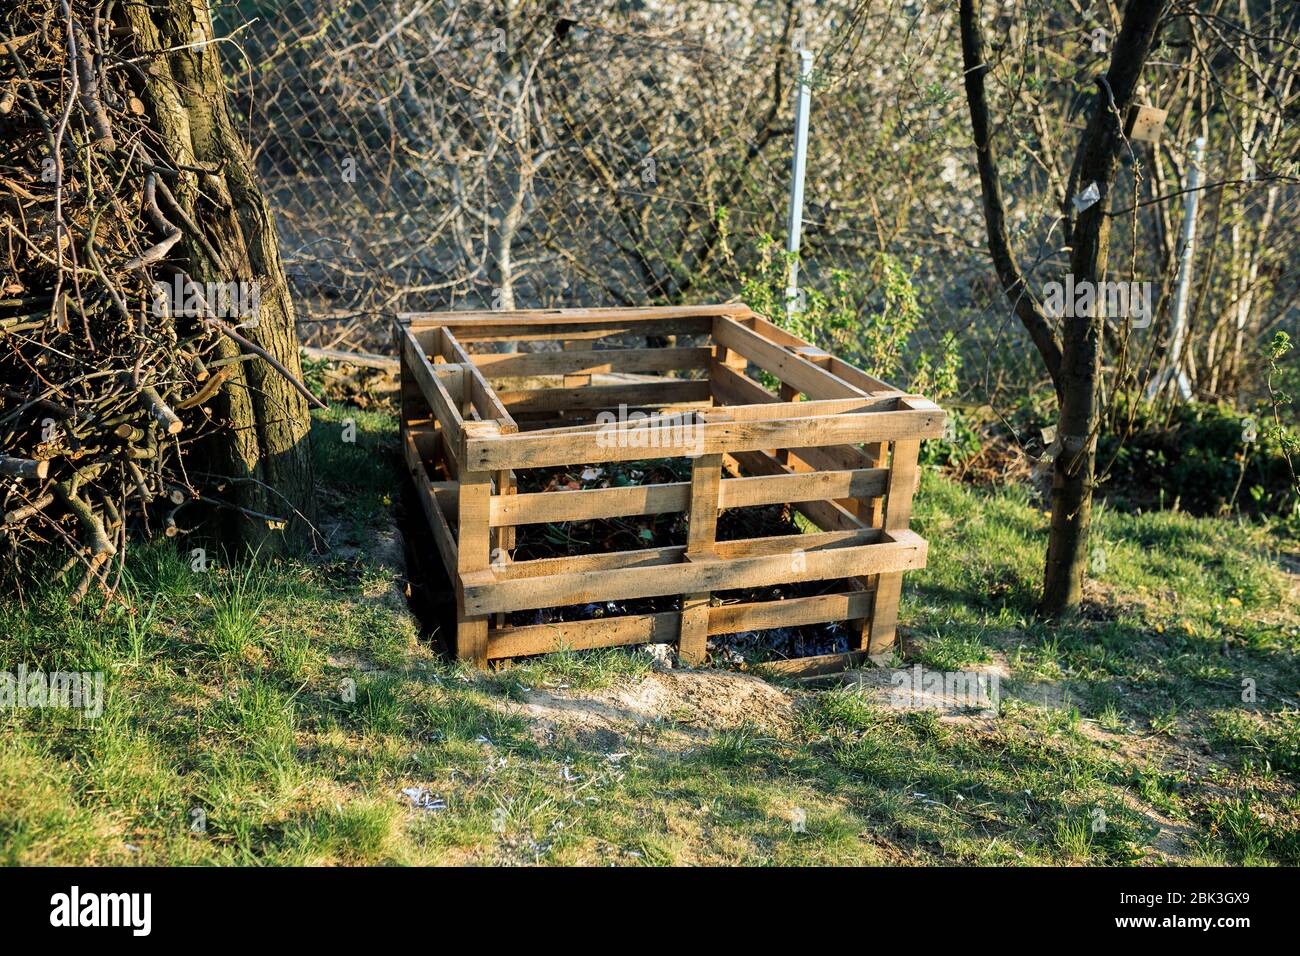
(835,444)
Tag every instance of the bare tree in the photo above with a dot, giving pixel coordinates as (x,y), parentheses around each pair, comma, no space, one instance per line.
(263,452)
(1072,356)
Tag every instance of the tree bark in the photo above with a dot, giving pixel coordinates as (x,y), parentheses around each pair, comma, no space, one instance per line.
(1081,349)
(1023,301)
(262,449)
(1072,359)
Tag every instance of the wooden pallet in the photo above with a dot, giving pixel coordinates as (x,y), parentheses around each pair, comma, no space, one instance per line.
(836,444)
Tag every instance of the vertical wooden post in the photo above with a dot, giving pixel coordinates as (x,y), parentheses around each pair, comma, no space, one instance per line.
(730,358)
(576,381)
(503,538)
(472,554)
(413,405)
(898,514)
(473,550)
(871,512)
(788,394)
(702,530)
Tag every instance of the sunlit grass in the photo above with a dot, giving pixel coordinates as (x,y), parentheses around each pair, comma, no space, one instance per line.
(273,712)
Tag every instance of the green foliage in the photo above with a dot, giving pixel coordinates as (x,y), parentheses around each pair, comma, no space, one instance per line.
(960,442)
(868,319)
(1208,457)
(303,729)
(1281,379)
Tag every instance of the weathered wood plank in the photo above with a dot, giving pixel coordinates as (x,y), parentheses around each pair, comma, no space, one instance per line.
(792,612)
(631,441)
(422,320)
(633,394)
(590,362)
(473,555)
(561,324)
(485,399)
(825,514)
(432,387)
(701,536)
(486,591)
(790,368)
(442,536)
(768,489)
(836,366)
(898,514)
(616,631)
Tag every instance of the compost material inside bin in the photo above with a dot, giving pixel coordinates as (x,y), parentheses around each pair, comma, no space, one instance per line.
(604,535)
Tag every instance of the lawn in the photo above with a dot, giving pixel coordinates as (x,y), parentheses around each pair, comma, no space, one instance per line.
(289,712)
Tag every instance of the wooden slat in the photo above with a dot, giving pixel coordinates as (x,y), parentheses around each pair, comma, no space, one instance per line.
(447,494)
(790,368)
(423,320)
(442,536)
(549,506)
(836,366)
(570,380)
(562,324)
(798,667)
(488,591)
(631,441)
(827,515)
(590,361)
(792,612)
(573,421)
(663,628)
(616,631)
(481,394)
(447,455)
(673,554)
(590,332)
(431,385)
(633,394)
(733,388)
(769,489)
(772,408)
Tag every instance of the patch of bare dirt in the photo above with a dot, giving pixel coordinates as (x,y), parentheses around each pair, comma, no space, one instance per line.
(685,704)
(1173,840)
(963,704)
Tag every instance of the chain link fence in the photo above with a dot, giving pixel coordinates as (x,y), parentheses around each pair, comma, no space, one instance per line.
(437,154)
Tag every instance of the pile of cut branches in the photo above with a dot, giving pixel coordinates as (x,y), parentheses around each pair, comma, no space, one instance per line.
(109,353)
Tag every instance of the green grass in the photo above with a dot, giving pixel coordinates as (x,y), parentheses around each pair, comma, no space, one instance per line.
(272,712)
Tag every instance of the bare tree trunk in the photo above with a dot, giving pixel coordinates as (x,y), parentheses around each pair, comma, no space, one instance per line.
(263,449)
(1072,476)
(1072,359)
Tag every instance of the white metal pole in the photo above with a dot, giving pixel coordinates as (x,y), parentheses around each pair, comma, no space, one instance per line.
(798,167)
(1172,367)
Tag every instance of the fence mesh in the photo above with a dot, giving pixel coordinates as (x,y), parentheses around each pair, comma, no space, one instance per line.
(430,154)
